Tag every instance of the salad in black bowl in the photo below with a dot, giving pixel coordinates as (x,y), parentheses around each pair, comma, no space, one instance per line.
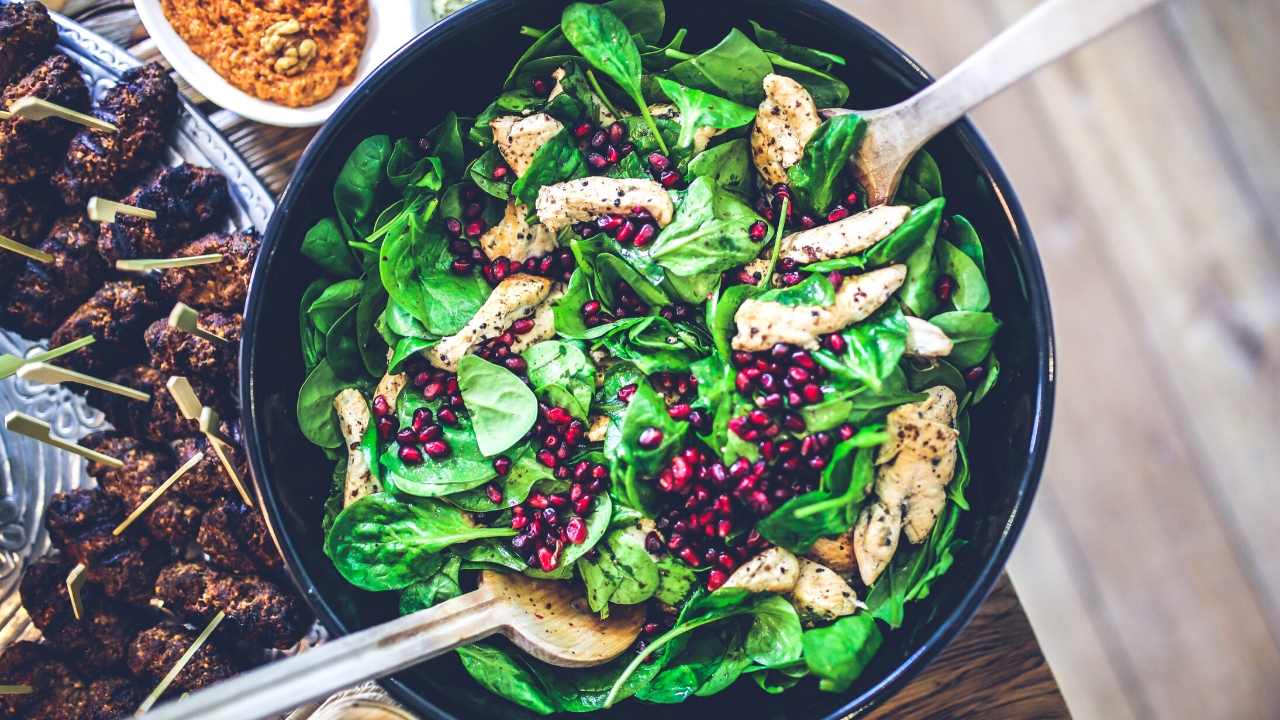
(630,325)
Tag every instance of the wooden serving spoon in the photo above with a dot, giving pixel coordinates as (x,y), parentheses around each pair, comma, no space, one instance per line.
(895,134)
(549,620)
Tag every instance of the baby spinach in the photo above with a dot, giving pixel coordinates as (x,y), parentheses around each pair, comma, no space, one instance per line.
(356,191)
(921,182)
(992,366)
(646,410)
(612,269)
(526,472)
(563,375)
(622,571)
(966,238)
(341,348)
(937,372)
(970,291)
(831,510)
(568,309)
(827,90)
(713,659)
(911,574)
(380,542)
(814,290)
(873,349)
(333,301)
(598,518)
(839,653)
(972,332)
(373,349)
(311,336)
(325,246)
(501,673)
(415,271)
(480,172)
(316,417)
(652,343)
(501,406)
(960,482)
(446,143)
(918,290)
(407,348)
(734,69)
(700,109)
(775,43)
(463,469)
(774,639)
(558,160)
(859,405)
(814,179)
(442,585)
(727,165)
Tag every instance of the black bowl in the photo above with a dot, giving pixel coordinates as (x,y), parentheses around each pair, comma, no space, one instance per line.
(460,64)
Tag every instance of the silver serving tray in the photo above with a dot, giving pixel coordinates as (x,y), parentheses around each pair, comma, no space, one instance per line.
(30,472)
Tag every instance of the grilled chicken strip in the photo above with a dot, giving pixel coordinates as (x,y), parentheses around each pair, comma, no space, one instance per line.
(155,651)
(518,138)
(844,237)
(775,570)
(258,609)
(924,339)
(515,239)
(820,595)
(43,294)
(31,149)
(515,297)
(836,553)
(875,539)
(222,286)
(763,324)
(27,34)
(143,106)
(188,201)
(353,419)
(787,119)
(563,204)
(116,316)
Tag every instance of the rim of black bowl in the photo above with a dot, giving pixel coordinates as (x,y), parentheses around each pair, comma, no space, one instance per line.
(1024,249)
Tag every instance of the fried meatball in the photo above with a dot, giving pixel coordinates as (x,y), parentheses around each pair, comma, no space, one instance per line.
(24,214)
(27,34)
(30,149)
(112,698)
(42,668)
(80,523)
(177,352)
(222,286)
(157,420)
(98,640)
(257,609)
(45,293)
(189,200)
(173,519)
(208,482)
(155,651)
(235,537)
(142,105)
(116,315)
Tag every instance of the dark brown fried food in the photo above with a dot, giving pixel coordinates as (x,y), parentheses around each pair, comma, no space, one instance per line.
(80,524)
(24,213)
(257,609)
(222,286)
(189,200)
(158,419)
(208,482)
(235,538)
(143,106)
(177,352)
(117,315)
(173,519)
(44,293)
(113,698)
(99,639)
(30,149)
(42,668)
(156,650)
(27,34)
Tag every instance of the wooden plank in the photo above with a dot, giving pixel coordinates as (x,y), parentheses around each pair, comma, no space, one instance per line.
(993,670)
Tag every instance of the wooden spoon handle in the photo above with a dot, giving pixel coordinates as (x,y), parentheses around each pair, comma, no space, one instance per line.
(320,671)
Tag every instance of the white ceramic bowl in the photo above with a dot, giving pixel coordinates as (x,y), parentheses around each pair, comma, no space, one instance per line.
(392,23)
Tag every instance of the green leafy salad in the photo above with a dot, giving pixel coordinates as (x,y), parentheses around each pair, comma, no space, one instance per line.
(631,326)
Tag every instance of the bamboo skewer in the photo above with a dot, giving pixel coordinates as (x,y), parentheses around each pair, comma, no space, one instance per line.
(185,396)
(177,668)
(219,443)
(75,581)
(34,108)
(155,494)
(46,374)
(208,420)
(185,318)
(26,251)
(16,690)
(165,263)
(9,364)
(39,431)
(104,211)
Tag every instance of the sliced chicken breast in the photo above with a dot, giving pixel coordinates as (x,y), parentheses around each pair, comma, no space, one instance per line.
(518,138)
(843,237)
(515,239)
(924,339)
(820,595)
(515,297)
(875,539)
(763,324)
(544,322)
(566,203)
(775,570)
(915,477)
(836,553)
(787,119)
(353,420)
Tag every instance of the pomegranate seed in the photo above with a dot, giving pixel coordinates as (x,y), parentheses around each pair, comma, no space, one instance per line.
(645,235)
(669,178)
(817,462)
(839,213)
(798,375)
(576,531)
(791,278)
(410,455)
(794,423)
(945,286)
(600,472)
(975,374)
(851,199)
(406,436)
(659,162)
(741,359)
(453,225)
(690,557)
(582,130)
(437,449)
(421,418)
(583,504)
(653,543)
(626,232)
(617,133)
(460,267)
(812,393)
(612,154)
(807,222)
(558,416)
(518,522)
(515,364)
(473,211)
(494,493)
(599,139)
(835,343)
(547,458)
(846,431)
(380,406)
(597,162)
(835,278)
(547,559)
(626,392)
(537,500)
(502,465)
(475,228)
(447,416)
(650,438)
(591,307)
(680,411)
(500,172)
(385,426)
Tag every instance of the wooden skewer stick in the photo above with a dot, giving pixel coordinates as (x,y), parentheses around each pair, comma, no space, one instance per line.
(185,396)
(34,108)
(46,374)
(104,211)
(24,424)
(155,494)
(27,251)
(16,690)
(220,443)
(75,581)
(9,364)
(165,263)
(169,677)
(208,419)
(184,317)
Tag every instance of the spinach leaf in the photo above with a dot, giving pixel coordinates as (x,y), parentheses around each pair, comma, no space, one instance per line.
(839,653)
(501,672)
(325,246)
(356,191)
(415,271)
(463,469)
(938,372)
(441,586)
(815,179)
(501,406)
(341,348)
(921,182)
(646,410)
(480,172)
(827,90)
(335,300)
(558,160)
(312,337)
(622,571)
(970,291)
(955,490)
(675,581)
(721,310)
(568,309)
(652,343)
(734,69)
(800,521)
(966,238)
(407,348)
(874,347)
(446,143)
(610,269)
(972,332)
(333,503)
(525,473)
(859,405)
(988,381)
(382,543)
(774,639)
(711,660)
(563,375)
(775,43)
(316,416)
(911,575)
(700,109)
(373,350)
(490,555)
(814,290)
(727,165)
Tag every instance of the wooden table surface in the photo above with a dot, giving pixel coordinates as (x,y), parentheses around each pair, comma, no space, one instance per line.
(994,669)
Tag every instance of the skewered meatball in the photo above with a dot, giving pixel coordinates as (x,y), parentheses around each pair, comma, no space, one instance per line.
(222,286)
(173,519)
(99,639)
(177,352)
(208,481)
(235,538)
(256,608)
(143,106)
(155,651)
(80,523)
(24,213)
(44,293)
(27,33)
(159,419)
(33,148)
(42,668)
(112,698)
(188,200)
(117,314)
